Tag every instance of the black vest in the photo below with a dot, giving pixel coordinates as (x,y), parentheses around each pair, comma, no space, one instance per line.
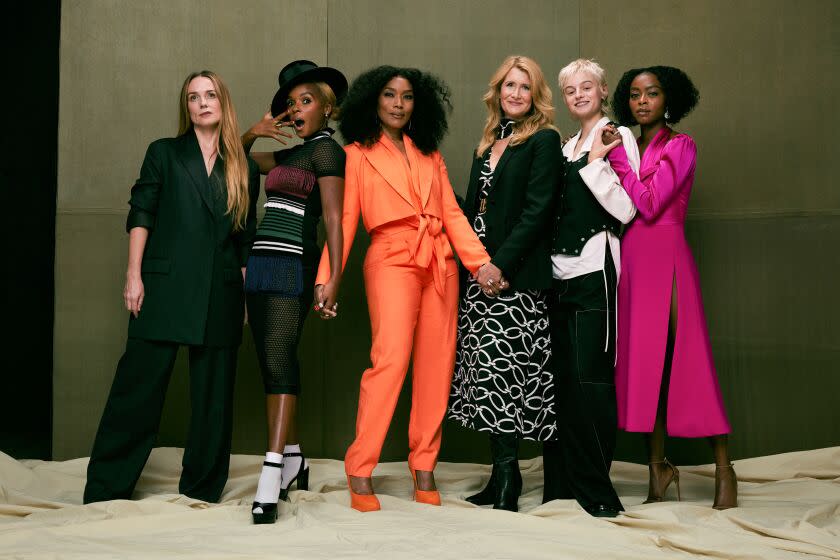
(578,216)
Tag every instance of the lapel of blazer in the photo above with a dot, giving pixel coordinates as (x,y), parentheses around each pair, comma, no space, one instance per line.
(385,161)
(503,161)
(472,188)
(424,166)
(189,156)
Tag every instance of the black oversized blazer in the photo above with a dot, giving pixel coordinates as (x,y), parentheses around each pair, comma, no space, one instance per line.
(191,263)
(520,207)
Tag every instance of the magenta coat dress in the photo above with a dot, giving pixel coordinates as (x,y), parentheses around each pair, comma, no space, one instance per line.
(654,254)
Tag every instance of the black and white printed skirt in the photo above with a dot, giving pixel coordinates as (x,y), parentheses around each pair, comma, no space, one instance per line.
(503,382)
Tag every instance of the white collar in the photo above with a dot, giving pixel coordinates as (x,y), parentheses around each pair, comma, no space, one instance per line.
(569,147)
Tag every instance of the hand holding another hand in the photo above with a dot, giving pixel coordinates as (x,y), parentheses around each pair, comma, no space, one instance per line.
(490,278)
(606,138)
(325,300)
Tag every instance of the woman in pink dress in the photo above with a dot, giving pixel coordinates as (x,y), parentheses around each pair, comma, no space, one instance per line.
(665,375)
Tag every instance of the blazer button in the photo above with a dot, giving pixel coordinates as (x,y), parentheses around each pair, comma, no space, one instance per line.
(592,230)
(583,239)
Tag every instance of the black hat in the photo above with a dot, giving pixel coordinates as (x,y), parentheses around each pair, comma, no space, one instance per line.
(301,71)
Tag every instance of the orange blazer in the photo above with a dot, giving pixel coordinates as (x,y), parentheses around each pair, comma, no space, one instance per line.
(376,183)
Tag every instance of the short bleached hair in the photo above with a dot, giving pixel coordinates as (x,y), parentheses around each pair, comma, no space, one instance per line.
(584,65)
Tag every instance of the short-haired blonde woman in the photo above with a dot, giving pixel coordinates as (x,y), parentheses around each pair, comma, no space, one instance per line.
(585,265)
(191,223)
(503,385)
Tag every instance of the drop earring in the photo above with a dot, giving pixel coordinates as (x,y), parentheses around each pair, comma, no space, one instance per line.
(667,115)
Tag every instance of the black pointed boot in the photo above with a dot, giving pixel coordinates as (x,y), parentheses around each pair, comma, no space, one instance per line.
(487,496)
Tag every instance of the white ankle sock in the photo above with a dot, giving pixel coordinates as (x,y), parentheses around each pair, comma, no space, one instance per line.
(291,466)
(268,489)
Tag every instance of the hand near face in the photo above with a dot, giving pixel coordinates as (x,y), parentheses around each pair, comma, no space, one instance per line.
(599,148)
(271,127)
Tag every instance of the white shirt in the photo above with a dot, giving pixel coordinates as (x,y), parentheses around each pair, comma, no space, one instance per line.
(605,186)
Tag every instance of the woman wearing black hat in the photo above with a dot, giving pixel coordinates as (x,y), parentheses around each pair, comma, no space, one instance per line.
(301,183)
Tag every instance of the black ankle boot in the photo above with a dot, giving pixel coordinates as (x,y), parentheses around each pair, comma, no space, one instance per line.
(508,480)
(487,496)
(508,486)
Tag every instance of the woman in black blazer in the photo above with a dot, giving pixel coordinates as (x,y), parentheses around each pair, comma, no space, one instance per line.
(503,384)
(191,224)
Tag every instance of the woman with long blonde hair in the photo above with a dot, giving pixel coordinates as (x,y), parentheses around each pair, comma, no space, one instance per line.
(190,226)
(503,384)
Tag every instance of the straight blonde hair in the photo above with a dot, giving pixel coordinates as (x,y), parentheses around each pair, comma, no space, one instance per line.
(539,117)
(229,148)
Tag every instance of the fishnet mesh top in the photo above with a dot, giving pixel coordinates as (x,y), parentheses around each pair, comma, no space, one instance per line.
(293,205)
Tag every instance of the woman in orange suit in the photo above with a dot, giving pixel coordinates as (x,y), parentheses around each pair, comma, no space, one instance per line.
(394,120)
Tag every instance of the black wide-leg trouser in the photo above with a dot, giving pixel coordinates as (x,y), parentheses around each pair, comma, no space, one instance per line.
(582,316)
(130,422)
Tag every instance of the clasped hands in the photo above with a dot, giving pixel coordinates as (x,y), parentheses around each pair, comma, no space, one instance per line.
(490,279)
(325,300)
(606,138)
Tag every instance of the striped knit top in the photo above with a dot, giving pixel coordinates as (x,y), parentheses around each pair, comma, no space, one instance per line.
(293,205)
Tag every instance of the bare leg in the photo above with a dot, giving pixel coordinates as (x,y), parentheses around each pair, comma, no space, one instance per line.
(661,472)
(361,484)
(280,414)
(726,483)
(425,480)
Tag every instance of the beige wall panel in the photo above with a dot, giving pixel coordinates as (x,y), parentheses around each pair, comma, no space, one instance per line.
(90,324)
(765,71)
(122,65)
(463,42)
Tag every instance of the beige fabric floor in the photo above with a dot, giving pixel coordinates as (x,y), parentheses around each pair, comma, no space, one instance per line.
(790,508)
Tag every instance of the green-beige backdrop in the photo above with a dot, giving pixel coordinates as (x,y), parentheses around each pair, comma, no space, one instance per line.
(763,222)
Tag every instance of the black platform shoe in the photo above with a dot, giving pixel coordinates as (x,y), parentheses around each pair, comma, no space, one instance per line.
(269,511)
(268,515)
(301,477)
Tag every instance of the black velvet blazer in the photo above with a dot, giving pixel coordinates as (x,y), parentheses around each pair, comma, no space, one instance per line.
(520,207)
(191,263)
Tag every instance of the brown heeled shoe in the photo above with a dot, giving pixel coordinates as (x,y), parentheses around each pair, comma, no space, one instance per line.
(722,500)
(362,502)
(431,497)
(658,494)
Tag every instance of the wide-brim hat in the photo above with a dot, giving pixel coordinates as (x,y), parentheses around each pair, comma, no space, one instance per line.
(303,71)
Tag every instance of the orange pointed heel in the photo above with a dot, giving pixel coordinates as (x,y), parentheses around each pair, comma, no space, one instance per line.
(362,502)
(431,497)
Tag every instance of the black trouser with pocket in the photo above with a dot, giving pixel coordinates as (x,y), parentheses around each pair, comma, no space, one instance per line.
(582,315)
(130,422)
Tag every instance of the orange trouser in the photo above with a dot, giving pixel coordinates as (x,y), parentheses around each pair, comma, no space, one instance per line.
(407,311)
